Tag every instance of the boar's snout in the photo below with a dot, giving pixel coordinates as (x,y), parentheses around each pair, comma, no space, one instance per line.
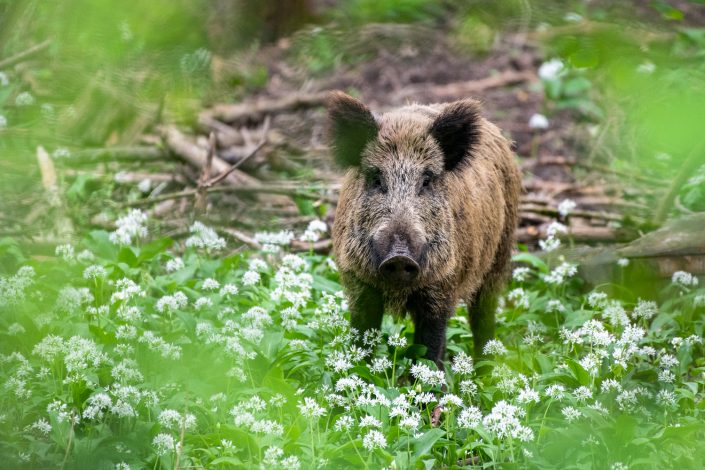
(397,252)
(399,268)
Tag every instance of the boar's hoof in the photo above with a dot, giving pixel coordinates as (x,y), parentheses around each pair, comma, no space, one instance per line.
(399,268)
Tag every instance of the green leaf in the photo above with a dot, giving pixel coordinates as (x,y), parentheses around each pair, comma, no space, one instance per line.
(532,260)
(150,250)
(228,460)
(424,443)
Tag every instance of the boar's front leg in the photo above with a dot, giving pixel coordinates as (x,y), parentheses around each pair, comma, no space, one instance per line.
(366,307)
(482,318)
(430,312)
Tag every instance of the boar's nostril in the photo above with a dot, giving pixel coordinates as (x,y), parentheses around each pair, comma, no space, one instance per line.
(399,268)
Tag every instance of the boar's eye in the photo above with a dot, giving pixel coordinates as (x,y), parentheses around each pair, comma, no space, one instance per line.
(375,181)
(426,181)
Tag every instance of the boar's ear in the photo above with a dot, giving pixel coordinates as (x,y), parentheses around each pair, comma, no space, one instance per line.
(352,126)
(457,130)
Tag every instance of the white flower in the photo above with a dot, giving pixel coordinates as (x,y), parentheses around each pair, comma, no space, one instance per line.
(555,391)
(373,440)
(397,341)
(42,426)
(94,272)
(174,264)
(699,300)
(560,273)
(228,289)
(3,121)
(623,262)
(410,422)
(317,225)
(204,237)
(554,228)
(538,121)
(462,364)
(256,264)
(274,238)
(61,152)
(519,274)
(494,347)
(645,309)
(666,398)
(129,227)
(519,298)
(163,443)
(597,299)
(380,364)
(309,236)
(504,421)
(684,279)
(450,399)
(311,409)
(573,17)
(369,421)
(250,278)
(145,185)
(555,305)
(566,207)
(170,303)
(551,70)
(615,313)
(426,375)
(527,395)
(582,393)
(344,423)
(571,414)
(202,302)
(294,262)
(210,284)
(470,417)
(24,99)
(549,244)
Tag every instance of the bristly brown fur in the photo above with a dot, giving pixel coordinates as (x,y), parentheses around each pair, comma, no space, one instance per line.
(448,176)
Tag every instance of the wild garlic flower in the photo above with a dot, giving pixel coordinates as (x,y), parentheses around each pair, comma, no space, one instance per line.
(685,279)
(163,443)
(204,237)
(470,417)
(538,121)
(428,376)
(494,347)
(566,206)
(250,278)
(130,227)
(551,70)
(374,440)
(571,414)
(462,364)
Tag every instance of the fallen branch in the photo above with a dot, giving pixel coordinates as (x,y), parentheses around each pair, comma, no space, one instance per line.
(101,155)
(24,55)
(321,246)
(574,213)
(196,156)
(256,111)
(292,191)
(465,88)
(563,161)
(578,234)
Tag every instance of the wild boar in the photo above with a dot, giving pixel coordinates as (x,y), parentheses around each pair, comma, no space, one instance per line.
(426,215)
